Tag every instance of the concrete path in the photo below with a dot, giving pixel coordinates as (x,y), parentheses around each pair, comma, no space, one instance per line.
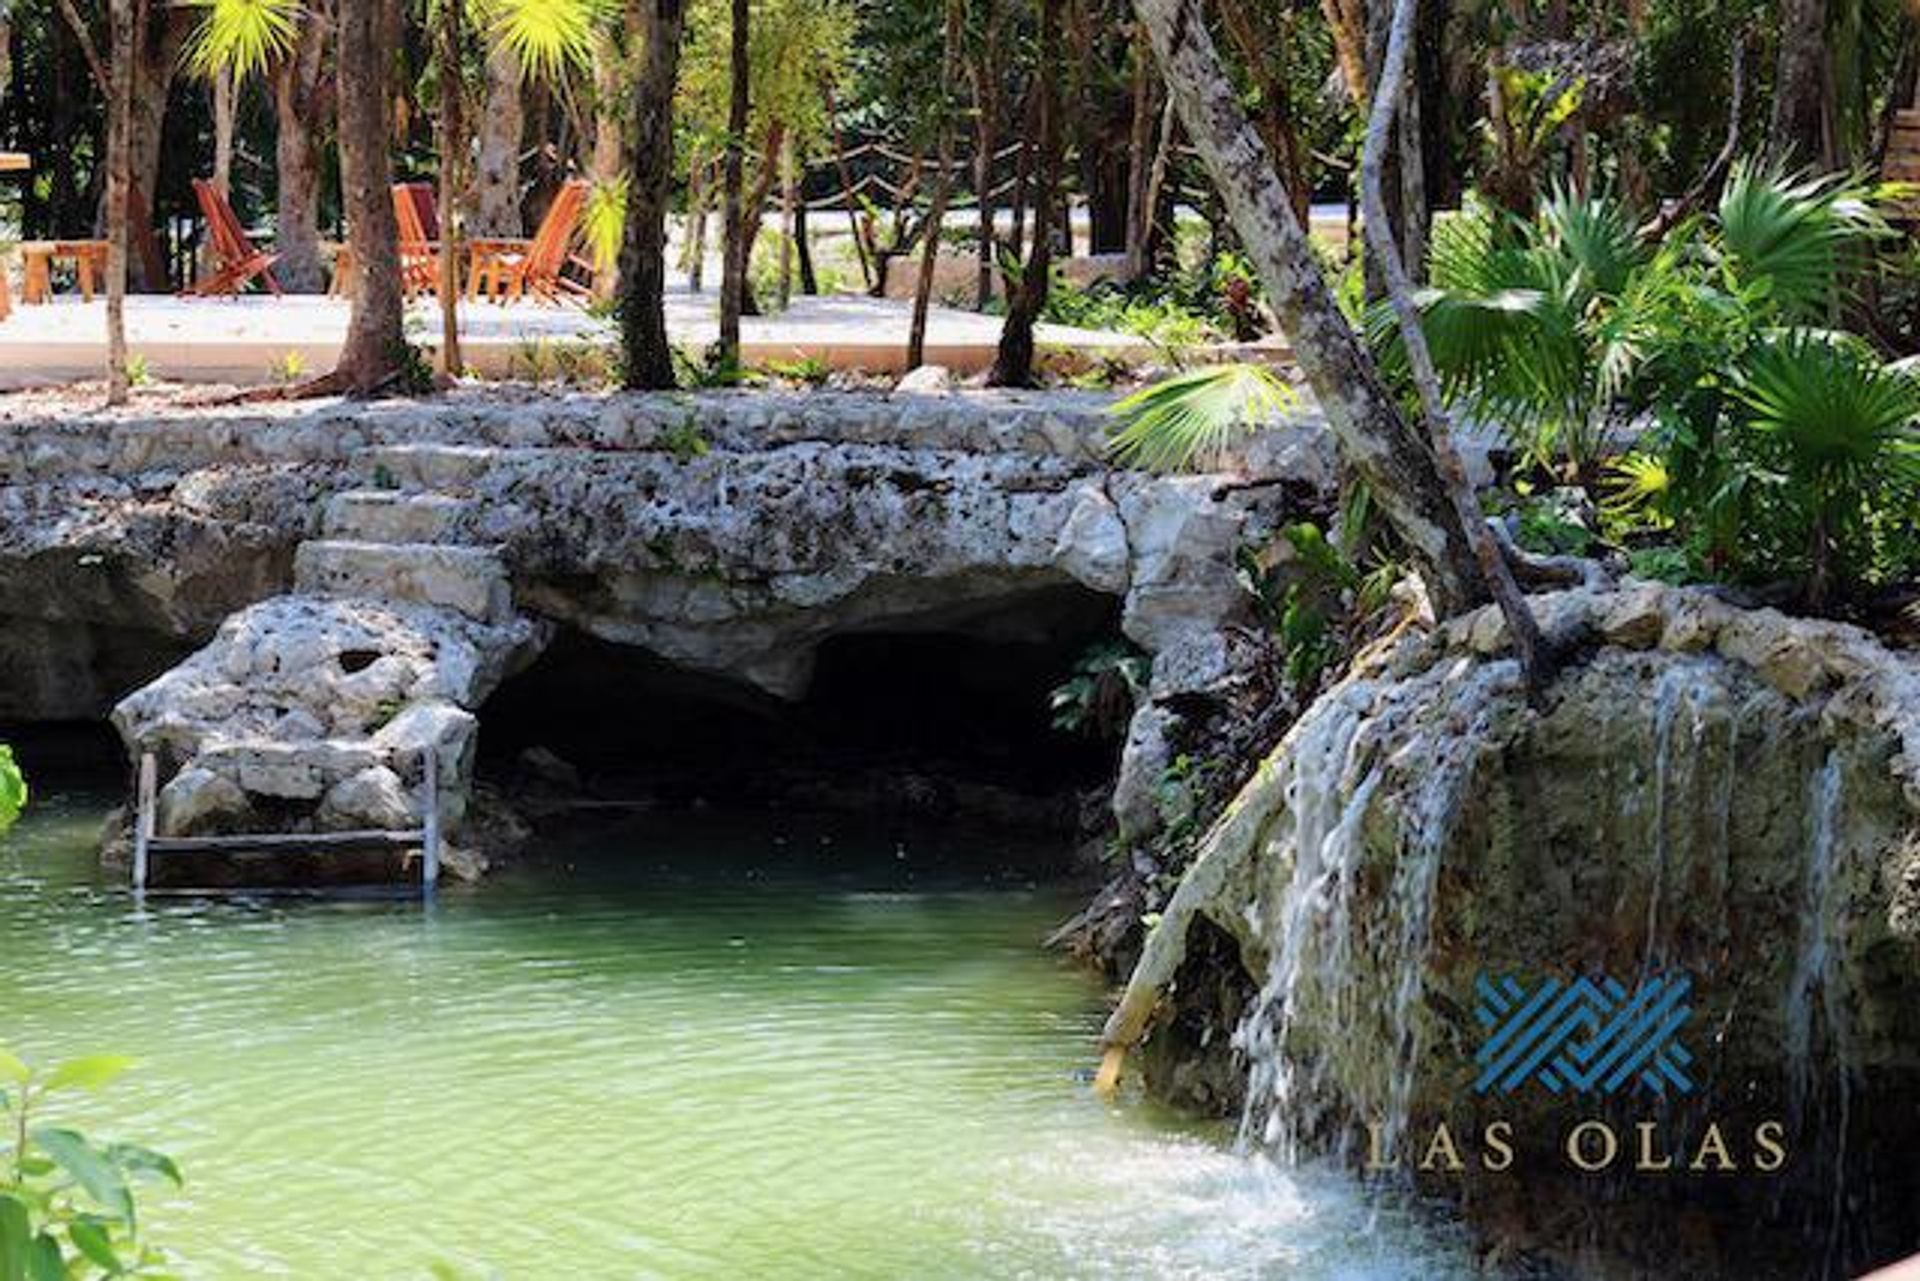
(245,340)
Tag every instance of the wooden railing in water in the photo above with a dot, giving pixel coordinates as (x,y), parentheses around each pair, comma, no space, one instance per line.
(147,845)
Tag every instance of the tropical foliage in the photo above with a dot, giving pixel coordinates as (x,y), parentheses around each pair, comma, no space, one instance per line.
(243,37)
(13,789)
(67,1202)
(1192,418)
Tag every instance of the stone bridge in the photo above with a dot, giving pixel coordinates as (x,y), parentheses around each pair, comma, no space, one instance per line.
(289,605)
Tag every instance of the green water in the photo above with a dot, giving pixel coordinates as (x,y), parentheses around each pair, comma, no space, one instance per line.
(698,1047)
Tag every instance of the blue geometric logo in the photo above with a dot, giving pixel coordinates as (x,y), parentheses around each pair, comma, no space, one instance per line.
(1588,1035)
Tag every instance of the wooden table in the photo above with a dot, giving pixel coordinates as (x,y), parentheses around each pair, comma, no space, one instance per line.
(10,162)
(38,256)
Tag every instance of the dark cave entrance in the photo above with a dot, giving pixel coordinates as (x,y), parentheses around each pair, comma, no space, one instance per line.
(927,717)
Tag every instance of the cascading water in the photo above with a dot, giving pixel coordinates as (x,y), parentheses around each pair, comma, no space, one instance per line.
(1325,905)
(1816,985)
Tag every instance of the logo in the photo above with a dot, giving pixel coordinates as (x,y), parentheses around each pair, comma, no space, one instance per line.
(1588,1035)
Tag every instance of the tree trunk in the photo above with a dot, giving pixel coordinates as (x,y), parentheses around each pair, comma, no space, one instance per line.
(1013,362)
(942,191)
(121,72)
(1146,82)
(608,68)
(223,96)
(753,212)
(452,152)
(1801,128)
(985,72)
(1390,99)
(6,49)
(301,99)
(1347,21)
(1267,67)
(803,250)
(789,198)
(699,201)
(376,347)
(1373,437)
(496,180)
(643,252)
(733,266)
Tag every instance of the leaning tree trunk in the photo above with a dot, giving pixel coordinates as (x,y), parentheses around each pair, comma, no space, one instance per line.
(1390,100)
(496,179)
(119,160)
(1373,436)
(643,252)
(375,348)
(300,102)
(1801,128)
(1013,362)
(733,234)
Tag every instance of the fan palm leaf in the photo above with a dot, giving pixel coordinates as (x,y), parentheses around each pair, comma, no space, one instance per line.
(242,37)
(1192,417)
(1793,238)
(548,38)
(1838,413)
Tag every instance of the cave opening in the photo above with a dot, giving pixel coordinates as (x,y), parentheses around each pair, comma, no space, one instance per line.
(930,716)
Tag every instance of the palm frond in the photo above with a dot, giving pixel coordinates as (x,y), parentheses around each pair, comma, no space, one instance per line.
(546,37)
(1192,417)
(604,223)
(1596,235)
(1837,412)
(1794,238)
(242,37)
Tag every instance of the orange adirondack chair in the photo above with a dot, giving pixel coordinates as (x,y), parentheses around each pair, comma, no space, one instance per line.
(237,261)
(419,251)
(508,270)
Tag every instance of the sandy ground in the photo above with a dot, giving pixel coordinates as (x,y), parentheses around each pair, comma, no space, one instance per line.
(249,339)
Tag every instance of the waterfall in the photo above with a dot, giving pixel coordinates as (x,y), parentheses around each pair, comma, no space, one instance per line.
(1816,988)
(1346,965)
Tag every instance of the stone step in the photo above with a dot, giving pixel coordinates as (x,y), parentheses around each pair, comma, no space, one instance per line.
(388,516)
(426,466)
(471,580)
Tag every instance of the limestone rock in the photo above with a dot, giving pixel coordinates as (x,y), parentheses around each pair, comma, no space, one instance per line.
(925,380)
(198,800)
(374,798)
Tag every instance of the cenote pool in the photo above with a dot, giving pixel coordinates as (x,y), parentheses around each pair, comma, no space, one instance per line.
(689,1047)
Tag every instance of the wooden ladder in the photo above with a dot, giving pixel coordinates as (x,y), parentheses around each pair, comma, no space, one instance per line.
(147,845)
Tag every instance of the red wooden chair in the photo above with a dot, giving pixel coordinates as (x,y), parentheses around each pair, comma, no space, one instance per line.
(508,270)
(419,251)
(235,258)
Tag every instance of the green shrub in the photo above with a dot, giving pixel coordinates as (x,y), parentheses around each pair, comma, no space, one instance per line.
(67,1203)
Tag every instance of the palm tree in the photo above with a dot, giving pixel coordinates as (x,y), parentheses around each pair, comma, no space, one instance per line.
(526,39)
(643,264)
(1839,427)
(236,41)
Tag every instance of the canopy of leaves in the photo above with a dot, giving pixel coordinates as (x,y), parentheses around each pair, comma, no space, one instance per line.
(796,50)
